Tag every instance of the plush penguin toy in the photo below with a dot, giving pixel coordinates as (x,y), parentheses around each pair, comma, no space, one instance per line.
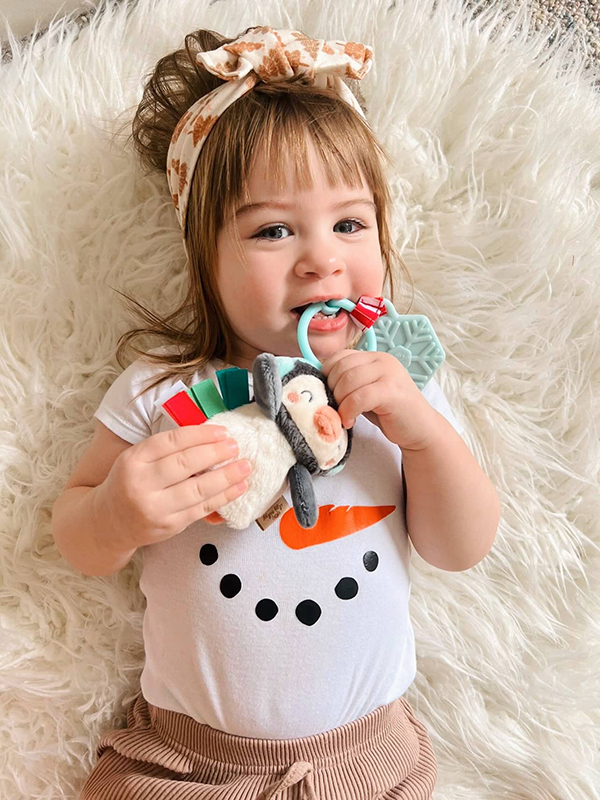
(290,432)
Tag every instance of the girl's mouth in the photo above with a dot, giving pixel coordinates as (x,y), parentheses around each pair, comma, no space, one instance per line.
(323,322)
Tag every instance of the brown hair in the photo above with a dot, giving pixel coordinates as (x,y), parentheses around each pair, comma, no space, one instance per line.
(277,116)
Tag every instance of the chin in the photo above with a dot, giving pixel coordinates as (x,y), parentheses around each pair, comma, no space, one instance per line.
(333,345)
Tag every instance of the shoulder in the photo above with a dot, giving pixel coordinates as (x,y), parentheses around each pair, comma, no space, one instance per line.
(139,375)
(436,397)
(130,406)
(144,373)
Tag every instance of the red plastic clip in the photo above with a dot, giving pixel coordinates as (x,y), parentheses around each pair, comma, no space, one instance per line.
(367,311)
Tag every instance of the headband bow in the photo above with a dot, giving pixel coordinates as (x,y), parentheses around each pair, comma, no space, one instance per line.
(260,54)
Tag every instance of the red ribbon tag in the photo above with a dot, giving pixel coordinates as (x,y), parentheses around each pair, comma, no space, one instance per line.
(367,311)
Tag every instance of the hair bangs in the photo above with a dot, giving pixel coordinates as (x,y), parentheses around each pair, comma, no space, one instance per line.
(280,121)
(339,136)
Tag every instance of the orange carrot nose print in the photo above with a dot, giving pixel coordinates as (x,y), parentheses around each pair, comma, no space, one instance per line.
(328,423)
(332,523)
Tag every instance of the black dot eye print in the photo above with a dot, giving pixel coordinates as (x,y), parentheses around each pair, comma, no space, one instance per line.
(308,612)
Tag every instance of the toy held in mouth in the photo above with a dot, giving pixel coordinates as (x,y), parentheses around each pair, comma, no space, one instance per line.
(408,337)
(291,430)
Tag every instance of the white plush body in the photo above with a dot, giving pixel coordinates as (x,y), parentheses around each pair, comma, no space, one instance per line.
(263,444)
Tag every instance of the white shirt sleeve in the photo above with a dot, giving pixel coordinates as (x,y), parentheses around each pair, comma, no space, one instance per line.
(437,399)
(128,418)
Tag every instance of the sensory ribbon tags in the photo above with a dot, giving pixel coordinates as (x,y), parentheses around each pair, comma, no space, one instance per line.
(367,311)
(202,401)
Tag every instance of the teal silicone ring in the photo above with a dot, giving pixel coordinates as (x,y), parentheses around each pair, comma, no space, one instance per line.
(326,308)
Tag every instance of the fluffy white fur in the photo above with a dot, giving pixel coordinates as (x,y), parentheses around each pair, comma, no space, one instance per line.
(497,186)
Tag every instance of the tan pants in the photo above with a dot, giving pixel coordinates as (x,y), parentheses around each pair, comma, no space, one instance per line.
(163,755)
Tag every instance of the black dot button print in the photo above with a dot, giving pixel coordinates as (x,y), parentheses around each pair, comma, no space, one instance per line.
(307,612)
(371,560)
(208,554)
(346,589)
(266,610)
(230,585)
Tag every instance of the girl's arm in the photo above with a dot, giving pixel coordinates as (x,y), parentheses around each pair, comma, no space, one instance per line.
(82,537)
(452,508)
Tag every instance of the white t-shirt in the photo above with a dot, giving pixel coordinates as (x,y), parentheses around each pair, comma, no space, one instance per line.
(250,634)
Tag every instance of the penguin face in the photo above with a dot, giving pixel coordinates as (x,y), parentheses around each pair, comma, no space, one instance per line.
(306,401)
(295,395)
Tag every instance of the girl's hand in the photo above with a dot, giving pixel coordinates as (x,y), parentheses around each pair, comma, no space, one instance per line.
(377,385)
(158,487)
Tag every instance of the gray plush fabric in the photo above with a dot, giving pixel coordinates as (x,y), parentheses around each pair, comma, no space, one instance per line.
(267,384)
(303,496)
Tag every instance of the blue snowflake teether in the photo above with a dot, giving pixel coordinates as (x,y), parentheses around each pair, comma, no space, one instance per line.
(408,337)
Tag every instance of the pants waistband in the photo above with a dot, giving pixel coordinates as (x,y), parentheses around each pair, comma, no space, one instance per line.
(342,742)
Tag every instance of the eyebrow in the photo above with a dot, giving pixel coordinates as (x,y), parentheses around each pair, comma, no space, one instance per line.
(250,207)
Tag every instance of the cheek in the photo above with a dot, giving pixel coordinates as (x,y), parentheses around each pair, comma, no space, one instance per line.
(234,278)
(248,293)
(261,284)
(370,279)
(227,290)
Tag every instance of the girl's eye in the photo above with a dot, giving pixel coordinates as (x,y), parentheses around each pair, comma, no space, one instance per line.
(351,222)
(274,232)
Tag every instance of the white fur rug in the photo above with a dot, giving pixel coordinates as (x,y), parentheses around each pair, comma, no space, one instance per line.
(497,189)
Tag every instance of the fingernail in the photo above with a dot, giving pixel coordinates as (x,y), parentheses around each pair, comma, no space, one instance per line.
(244,467)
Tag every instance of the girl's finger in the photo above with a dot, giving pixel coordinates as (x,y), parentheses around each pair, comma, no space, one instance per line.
(358,402)
(357,378)
(350,359)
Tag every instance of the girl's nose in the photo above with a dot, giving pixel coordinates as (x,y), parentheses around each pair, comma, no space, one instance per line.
(319,262)
(328,423)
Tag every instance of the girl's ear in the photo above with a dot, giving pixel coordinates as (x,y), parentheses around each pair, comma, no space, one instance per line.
(267,384)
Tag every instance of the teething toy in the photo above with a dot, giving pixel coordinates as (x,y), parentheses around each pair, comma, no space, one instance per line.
(291,430)
(408,337)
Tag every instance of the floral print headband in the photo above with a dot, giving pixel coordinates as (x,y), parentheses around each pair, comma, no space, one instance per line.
(259,54)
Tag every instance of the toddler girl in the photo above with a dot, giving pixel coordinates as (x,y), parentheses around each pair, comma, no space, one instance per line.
(271,671)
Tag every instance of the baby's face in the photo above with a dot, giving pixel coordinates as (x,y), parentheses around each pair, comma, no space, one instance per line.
(323,243)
